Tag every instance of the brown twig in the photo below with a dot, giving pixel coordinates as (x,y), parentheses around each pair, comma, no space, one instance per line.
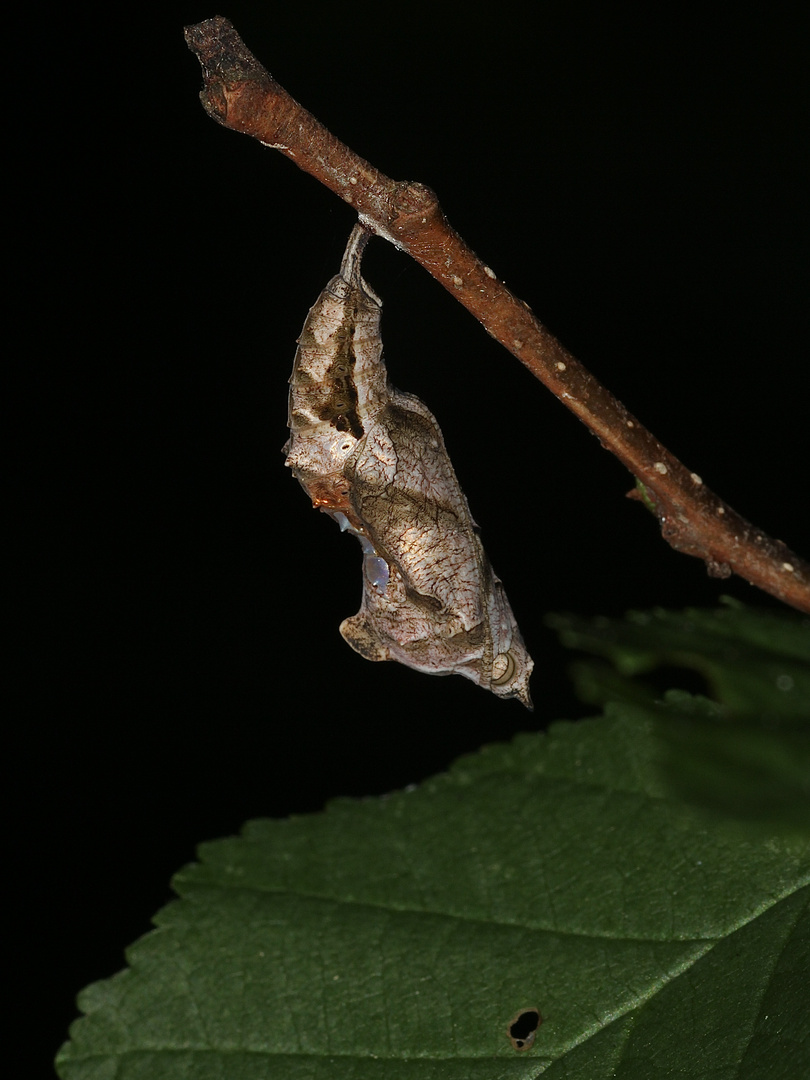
(240,94)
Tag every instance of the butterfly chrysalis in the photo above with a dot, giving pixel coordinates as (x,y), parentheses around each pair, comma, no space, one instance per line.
(374,459)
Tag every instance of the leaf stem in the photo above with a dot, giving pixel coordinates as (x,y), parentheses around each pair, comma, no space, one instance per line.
(241,95)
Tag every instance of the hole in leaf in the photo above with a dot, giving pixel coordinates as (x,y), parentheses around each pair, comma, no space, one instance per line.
(522,1028)
(665,678)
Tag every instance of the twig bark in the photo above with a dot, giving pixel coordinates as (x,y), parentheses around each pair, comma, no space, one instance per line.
(240,94)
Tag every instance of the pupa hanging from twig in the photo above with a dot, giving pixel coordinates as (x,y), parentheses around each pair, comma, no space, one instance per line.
(375,460)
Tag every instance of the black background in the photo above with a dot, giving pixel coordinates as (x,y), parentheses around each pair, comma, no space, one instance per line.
(640,181)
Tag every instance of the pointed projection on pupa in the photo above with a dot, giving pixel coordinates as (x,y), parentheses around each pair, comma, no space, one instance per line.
(374,459)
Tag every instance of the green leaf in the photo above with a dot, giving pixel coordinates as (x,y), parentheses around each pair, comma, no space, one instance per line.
(754,662)
(747,751)
(396,938)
